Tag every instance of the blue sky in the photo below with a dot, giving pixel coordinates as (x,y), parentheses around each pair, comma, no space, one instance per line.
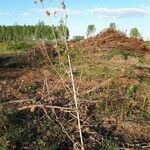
(125,13)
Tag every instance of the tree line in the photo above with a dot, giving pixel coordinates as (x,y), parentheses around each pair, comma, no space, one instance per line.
(32,32)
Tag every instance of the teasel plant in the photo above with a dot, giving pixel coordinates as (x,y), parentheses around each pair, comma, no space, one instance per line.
(61,15)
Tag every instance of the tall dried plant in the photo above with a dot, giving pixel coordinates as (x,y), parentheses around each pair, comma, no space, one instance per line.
(63,21)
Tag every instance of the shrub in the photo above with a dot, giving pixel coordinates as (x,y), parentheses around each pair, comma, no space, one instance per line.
(23,46)
(135,33)
(78,38)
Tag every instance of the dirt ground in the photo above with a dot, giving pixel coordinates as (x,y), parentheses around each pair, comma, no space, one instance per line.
(113,88)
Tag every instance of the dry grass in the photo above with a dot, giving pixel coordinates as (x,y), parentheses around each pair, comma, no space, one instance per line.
(113,93)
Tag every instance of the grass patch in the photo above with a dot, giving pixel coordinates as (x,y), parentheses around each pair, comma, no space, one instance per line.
(125,55)
(25,129)
(13,47)
(108,144)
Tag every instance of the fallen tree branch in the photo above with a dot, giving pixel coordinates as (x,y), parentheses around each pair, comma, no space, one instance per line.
(47,106)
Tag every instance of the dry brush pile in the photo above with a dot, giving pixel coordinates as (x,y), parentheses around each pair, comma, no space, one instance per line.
(112,38)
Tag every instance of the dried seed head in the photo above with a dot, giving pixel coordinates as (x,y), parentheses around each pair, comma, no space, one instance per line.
(63,6)
(55,13)
(66,16)
(35,2)
(48,13)
(61,21)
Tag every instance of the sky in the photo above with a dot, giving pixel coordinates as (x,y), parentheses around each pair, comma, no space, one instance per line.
(125,13)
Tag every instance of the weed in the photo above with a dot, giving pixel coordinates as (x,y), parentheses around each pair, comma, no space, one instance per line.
(22,128)
(19,46)
(30,89)
(122,53)
(108,144)
(146,81)
(3,144)
(131,91)
(13,47)
(125,55)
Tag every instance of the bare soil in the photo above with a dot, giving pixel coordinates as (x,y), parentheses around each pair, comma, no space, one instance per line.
(113,96)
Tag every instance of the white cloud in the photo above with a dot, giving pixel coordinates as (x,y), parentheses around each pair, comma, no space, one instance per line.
(26,14)
(120,12)
(101,12)
(4,13)
(75,12)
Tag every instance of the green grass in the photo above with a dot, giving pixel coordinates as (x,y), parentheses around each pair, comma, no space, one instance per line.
(125,55)
(126,100)
(108,144)
(13,47)
(23,128)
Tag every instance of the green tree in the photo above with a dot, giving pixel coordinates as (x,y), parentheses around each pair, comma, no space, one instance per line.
(112,25)
(135,33)
(31,32)
(90,30)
